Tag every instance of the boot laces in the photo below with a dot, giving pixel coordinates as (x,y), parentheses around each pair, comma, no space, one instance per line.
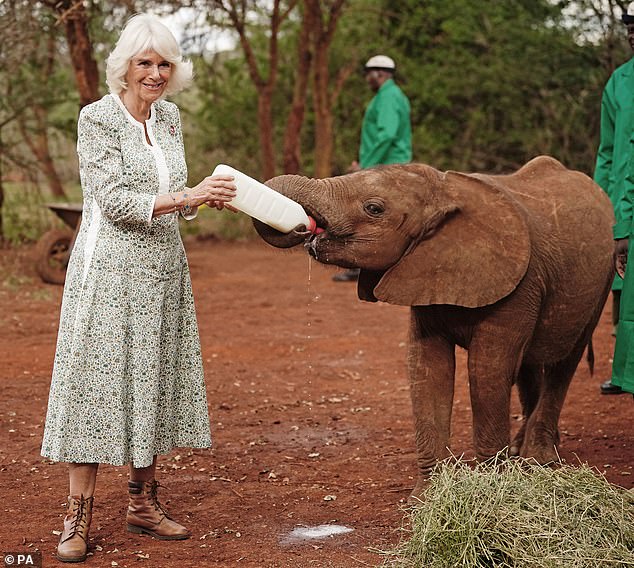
(80,519)
(154,496)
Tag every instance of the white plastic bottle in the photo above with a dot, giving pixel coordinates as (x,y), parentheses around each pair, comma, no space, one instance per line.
(266,204)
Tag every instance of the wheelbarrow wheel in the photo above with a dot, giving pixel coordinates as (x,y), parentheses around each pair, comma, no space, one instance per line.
(53,252)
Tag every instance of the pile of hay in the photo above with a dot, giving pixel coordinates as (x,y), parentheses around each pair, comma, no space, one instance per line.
(519,515)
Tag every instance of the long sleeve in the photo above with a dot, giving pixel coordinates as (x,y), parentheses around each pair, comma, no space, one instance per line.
(101,169)
(605,154)
(624,208)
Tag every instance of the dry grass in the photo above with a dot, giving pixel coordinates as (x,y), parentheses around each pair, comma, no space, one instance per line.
(517,514)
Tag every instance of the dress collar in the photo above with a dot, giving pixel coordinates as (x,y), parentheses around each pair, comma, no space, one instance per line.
(130,118)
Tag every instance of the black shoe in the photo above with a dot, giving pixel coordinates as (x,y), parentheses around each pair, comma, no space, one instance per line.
(347,276)
(609,388)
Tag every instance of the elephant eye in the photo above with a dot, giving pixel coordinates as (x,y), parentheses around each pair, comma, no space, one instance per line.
(374,208)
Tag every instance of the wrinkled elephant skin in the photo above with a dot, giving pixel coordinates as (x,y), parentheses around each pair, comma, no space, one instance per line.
(513,268)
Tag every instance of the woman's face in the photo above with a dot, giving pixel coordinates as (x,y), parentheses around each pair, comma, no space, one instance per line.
(148,75)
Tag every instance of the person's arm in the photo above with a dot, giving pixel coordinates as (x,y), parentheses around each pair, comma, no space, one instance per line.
(101,169)
(216,191)
(388,121)
(624,209)
(101,166)
(606,144)
(624,213)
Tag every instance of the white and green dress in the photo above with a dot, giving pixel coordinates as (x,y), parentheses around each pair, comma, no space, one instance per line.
(127,379)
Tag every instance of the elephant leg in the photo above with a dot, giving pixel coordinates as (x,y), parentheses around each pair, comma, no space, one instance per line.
(431,375)
(529,381)
(542,430)
(493,367)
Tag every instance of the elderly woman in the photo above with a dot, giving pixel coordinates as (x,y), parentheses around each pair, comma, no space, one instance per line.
(128,379)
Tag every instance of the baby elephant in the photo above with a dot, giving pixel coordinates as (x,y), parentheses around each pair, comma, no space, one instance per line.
(513,268)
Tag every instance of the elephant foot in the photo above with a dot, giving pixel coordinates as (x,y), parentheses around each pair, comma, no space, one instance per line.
(541,445)
(496,462)
(518,441)
(543,456)
(417,496)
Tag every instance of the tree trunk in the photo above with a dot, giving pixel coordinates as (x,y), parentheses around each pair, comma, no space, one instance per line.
(72,13)
(295,120)
(265,124)
(40,148)
(323,116)
(2,235)
(323,101)
(236,10)
(37,137)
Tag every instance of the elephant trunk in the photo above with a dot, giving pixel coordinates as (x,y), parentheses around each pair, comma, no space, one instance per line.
(297,188)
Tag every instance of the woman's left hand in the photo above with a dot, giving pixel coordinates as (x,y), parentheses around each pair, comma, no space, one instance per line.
(212,190)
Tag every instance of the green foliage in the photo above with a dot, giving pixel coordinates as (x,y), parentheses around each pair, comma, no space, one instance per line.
(493,84)
(26,216)
(220,118)
(359,37)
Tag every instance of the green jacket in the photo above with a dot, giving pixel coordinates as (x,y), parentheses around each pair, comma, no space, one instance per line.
(386,134)
(615,148)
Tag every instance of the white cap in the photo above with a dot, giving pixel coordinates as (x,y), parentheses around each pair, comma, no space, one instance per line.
(628,14)
(383,62)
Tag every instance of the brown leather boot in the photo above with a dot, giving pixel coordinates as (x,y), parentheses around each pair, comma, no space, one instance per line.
(147,515)
(73,544)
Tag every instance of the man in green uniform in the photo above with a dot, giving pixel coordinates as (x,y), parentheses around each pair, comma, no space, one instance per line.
(386,133)
(617,127)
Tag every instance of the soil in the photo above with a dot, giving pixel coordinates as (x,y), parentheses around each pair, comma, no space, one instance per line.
(310,412)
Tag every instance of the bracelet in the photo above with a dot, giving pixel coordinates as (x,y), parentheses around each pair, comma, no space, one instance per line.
(175,204)
(187,208)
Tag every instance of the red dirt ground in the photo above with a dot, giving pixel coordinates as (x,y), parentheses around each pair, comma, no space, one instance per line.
(310,410)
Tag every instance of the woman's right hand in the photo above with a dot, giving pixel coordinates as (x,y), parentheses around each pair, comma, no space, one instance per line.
(217,189)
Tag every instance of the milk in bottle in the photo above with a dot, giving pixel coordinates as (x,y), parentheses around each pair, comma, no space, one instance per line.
(265,204)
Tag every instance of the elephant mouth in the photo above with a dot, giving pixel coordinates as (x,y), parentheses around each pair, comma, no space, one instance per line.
(324,242)
(310,245)
(317,236)
(326,247)
(322,224)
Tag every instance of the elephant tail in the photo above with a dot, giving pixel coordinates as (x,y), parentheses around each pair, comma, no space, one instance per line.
(590,357)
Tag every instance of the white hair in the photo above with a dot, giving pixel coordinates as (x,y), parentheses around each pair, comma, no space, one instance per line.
(141,34)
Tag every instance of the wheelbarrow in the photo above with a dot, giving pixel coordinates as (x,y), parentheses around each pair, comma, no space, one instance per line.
(54,247)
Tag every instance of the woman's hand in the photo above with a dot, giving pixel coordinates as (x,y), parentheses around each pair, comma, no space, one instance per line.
(620,256)
(215,191)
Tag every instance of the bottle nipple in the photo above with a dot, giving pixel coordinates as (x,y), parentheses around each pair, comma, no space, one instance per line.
(312,226)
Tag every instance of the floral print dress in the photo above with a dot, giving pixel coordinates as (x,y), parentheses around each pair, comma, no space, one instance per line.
(127,379)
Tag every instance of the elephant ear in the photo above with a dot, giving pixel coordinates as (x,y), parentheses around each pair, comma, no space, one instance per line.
(477,256)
